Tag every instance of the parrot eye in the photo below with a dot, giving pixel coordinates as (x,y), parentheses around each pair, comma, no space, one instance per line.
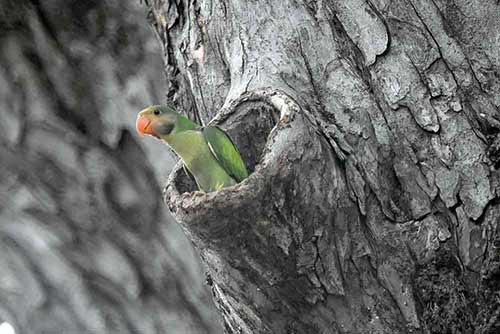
(156,112)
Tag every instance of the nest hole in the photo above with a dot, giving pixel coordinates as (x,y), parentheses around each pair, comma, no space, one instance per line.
(248,127)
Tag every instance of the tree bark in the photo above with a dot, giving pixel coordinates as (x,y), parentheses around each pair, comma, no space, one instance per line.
(371,129)
(86,246)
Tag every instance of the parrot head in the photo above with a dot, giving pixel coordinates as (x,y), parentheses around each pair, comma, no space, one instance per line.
(161,121)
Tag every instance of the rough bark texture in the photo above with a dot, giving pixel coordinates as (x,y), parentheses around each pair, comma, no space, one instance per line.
(86,245)
(371,128)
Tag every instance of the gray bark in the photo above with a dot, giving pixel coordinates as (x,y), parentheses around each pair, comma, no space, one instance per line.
(86,245)
(371,129)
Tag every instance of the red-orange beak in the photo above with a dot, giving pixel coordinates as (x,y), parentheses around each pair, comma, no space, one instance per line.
(143,125)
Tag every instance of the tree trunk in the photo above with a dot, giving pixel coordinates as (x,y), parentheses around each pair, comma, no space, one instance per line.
(371,131)
(85,244)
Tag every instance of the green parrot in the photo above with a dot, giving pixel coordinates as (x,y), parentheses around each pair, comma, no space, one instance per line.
(207,152)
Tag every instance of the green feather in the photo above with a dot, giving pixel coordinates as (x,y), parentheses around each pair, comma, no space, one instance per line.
(225,152)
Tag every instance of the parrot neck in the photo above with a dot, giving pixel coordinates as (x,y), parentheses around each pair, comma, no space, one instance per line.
(184,139)
(179,138)
(184,124)
(185,143)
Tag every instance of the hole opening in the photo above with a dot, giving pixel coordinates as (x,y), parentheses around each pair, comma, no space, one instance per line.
(249,128)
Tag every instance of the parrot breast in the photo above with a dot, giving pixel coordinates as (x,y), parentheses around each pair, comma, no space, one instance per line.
(195,153)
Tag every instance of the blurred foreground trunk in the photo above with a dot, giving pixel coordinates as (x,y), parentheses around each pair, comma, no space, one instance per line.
(371,129)
(85,244)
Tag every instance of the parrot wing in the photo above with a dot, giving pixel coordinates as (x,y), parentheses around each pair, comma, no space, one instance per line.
(225,152)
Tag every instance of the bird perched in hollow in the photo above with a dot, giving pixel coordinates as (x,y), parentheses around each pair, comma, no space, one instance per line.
(207,152)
